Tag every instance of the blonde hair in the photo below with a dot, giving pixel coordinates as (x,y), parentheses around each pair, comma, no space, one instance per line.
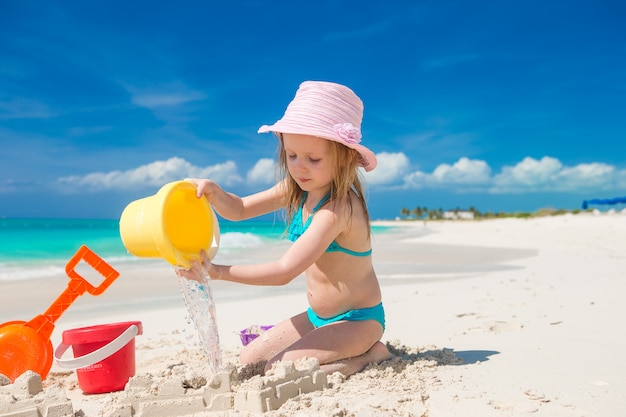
(346,179)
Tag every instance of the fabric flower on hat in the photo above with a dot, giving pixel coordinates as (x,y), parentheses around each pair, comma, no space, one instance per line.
(348,132)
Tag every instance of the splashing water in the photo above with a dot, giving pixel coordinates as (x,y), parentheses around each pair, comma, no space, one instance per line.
(199,299)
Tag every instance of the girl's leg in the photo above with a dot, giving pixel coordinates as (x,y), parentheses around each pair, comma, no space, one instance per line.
(376,354)
(344,346)
(276,339)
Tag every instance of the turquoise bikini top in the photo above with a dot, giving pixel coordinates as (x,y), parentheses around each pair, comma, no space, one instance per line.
(296,228)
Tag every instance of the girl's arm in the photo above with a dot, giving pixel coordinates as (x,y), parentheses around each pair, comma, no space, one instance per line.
(232,207)
(302,254)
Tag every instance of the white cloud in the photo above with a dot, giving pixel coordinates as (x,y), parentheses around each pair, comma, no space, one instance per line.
(529,175)
(549,174)
(167,95)
(465,175)
(263,172)
(590,175)
(156,173)
(154,100)
(464,172)
(390,168)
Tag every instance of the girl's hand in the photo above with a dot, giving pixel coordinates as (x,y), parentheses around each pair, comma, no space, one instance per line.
(199,269)
(193,274)
(204,187)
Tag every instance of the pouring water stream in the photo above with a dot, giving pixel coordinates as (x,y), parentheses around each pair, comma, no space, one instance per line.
(198,297)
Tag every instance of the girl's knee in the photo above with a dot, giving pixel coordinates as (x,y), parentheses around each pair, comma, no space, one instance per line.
(251,353)
(257,351)
(249,356)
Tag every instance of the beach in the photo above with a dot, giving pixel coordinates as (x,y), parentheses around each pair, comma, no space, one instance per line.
(502,317)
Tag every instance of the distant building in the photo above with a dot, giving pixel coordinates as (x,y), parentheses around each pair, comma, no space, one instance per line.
(458,215)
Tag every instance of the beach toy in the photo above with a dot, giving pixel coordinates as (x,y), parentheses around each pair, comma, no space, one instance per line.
(248,334)
(26,345)
(104,355)
(173,224)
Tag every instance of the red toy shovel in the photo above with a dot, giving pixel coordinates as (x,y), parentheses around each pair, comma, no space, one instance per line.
(26,345)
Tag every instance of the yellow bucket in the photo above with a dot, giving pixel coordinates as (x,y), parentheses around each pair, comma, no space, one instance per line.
(173,224)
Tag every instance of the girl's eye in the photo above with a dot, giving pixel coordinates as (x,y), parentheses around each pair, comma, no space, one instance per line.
(293,157)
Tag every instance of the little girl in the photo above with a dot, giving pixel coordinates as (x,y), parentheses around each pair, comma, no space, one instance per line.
(319,155)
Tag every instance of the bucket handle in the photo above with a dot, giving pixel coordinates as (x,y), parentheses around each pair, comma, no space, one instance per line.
(97,355)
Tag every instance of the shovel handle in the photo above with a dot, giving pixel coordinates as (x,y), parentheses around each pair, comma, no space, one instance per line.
(79,285)
(97,263)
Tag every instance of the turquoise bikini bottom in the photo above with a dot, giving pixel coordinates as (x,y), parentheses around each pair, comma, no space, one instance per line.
(371,313)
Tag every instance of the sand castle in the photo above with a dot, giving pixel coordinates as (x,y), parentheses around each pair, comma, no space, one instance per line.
(27,398)
(184,393)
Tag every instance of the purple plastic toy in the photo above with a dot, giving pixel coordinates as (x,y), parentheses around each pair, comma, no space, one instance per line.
(252,332)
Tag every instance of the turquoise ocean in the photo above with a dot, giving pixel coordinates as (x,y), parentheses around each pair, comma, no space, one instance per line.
(38,248)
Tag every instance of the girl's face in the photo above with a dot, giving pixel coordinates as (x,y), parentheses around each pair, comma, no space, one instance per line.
(309,161)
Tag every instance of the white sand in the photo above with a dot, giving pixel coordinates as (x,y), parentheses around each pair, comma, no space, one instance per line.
(534,307)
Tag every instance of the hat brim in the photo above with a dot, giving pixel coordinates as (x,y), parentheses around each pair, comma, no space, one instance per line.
(368,158)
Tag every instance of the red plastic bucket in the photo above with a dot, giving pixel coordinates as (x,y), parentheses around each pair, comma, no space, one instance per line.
(108,374)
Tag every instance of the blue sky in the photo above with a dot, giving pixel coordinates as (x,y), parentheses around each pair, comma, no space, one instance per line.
(500,105)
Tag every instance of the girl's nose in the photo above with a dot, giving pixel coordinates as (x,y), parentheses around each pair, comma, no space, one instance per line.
(299,165)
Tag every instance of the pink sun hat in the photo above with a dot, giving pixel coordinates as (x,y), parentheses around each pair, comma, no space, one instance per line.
(329,111)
